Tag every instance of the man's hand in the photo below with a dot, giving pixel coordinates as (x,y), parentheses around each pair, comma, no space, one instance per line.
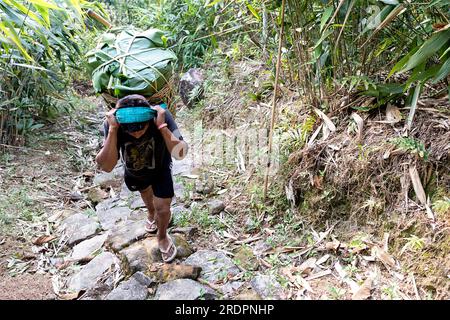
(161,115)
(111,118)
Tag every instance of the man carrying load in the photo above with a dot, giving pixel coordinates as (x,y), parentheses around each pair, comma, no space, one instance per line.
(147,136)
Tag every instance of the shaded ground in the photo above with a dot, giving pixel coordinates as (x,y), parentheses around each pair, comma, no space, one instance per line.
(37,181)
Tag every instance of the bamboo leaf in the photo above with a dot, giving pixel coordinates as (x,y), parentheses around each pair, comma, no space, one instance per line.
(413,106)
(254,12)
(417,184)
(349,10)
(402,62)
(443,71)
(324,36)
(391,16)
(44,13)
(46,4)
(29,66)
(77,6)
(11,33)
(422,74)
(428,48)
(381,16)
(325,16)
(25,11)
(335,13)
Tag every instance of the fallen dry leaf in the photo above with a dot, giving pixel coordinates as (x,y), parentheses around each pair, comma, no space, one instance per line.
(63,265)
(330,125)
(323,259)
(307,266)
(440,26)
(417,184)
(69,296)
(43,239)
(304,283)
(318,275)
(383,256)
(363,292)
(333,245)
(360,122)
(393,114)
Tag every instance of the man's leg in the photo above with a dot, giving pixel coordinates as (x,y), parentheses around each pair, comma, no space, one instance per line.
(147,197)
(162,217)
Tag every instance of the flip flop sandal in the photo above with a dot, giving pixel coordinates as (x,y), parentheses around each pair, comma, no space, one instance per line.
(171,247)
(151,227)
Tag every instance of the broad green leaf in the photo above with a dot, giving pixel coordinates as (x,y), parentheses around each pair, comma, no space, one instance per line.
(324,36)
(254,12)
(381,16)
(401,63)
(11,33)
(443,71)
(428,48)
(325,16)
(44,13)
(46,4)
(422,74)
(25,11)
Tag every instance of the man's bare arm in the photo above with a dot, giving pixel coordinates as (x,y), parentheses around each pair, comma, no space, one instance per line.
(177,148)
(108,155)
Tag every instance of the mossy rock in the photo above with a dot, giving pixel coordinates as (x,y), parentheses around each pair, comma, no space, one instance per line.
(246,259)
(168,272)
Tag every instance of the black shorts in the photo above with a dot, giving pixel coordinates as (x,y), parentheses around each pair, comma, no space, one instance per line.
(162,183)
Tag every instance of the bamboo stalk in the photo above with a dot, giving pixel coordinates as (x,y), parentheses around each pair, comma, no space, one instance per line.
(98,18)
(274,104)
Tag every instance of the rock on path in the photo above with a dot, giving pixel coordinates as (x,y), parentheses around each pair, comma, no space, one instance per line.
(78,227)
(126,233)
(184,289)
(109,218)
(215,265)
(267,287)
(131,289)
(140,255)
(100,268)
(86,248)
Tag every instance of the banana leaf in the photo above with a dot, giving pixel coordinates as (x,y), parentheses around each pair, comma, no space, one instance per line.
(127,61)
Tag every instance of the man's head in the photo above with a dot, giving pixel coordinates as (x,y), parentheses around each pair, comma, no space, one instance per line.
(133,114)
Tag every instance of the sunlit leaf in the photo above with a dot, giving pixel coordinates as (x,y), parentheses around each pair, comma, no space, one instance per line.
(254,12)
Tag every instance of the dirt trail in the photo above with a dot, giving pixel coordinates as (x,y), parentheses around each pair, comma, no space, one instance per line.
(96,246)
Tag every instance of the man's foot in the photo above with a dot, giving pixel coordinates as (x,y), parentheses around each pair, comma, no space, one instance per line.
(150,226)
(168,254)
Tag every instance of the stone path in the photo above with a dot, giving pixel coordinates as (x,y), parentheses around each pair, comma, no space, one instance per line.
(118,260)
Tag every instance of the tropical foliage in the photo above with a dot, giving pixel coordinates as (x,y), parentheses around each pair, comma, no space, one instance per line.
(40,43)
(379,48)
(385,50)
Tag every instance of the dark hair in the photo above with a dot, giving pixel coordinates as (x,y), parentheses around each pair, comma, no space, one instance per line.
(132,100)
